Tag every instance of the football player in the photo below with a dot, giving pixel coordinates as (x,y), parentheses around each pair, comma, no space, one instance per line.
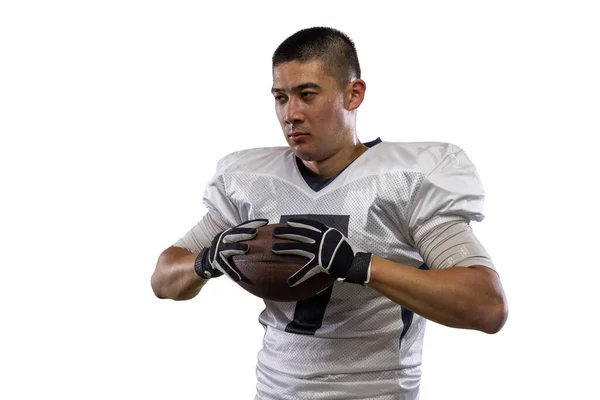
(389,220)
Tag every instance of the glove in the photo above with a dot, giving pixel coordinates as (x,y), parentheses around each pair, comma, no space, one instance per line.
(327,250)
(213,262)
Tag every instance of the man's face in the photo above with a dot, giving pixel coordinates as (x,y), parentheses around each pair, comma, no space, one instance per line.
(310,108)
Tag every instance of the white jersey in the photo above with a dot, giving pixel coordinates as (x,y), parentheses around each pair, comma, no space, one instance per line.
(348,342)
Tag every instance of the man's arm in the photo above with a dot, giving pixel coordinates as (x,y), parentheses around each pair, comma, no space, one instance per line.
(459,297)
(180,273)
(460,287)
(174,276)
(461,290)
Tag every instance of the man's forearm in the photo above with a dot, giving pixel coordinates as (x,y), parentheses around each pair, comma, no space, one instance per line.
(175,277)
(460,297)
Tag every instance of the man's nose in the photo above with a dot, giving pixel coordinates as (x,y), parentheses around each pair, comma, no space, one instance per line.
(293,111)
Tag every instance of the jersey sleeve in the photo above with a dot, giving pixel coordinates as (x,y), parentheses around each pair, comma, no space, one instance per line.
(222,213)
(201,235)
(451,190)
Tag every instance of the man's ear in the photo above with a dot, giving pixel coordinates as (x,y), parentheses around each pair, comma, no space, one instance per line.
(355,94)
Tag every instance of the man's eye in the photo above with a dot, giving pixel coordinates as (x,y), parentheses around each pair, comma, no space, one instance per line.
(308,95)
(279,99)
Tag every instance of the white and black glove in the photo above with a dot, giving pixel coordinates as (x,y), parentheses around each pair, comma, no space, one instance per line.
(213,262)
(327,250)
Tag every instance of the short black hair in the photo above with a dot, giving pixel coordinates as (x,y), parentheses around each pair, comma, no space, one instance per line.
(332,47)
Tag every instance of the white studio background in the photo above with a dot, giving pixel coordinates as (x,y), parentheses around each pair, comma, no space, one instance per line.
(113,115)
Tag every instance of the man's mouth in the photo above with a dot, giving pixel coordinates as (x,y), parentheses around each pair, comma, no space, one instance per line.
(295,134)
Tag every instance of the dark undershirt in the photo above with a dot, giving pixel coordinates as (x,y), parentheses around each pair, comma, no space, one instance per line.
(317,184)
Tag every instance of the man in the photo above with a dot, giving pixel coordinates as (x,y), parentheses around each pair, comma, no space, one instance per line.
(390,221)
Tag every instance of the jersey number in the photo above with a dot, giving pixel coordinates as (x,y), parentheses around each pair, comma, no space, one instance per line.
(309,313)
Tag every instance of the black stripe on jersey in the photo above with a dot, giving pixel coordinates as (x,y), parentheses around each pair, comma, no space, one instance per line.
(407,316)
(309,313)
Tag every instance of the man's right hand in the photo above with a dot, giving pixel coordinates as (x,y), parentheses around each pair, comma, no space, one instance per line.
(213,262)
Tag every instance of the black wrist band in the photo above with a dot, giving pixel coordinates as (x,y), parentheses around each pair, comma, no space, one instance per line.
(360,269)
(198,265)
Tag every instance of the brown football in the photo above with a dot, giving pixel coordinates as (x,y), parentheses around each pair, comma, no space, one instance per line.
(265,274)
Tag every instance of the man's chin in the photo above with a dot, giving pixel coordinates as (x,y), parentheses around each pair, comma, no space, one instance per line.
(303,153)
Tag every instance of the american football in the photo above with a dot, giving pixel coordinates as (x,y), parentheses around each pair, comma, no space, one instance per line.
(265,274)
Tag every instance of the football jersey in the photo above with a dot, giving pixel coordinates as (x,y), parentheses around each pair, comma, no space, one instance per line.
(349,341)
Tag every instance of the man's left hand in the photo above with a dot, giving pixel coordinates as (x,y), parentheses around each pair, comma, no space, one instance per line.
(326,248)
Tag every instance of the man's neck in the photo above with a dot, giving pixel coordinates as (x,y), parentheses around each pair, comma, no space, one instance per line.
(331,166)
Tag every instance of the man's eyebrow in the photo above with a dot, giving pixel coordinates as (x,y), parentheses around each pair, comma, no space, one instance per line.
(308,85)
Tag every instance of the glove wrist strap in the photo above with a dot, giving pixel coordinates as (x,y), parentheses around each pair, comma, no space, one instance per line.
(200,260)
(360,269)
